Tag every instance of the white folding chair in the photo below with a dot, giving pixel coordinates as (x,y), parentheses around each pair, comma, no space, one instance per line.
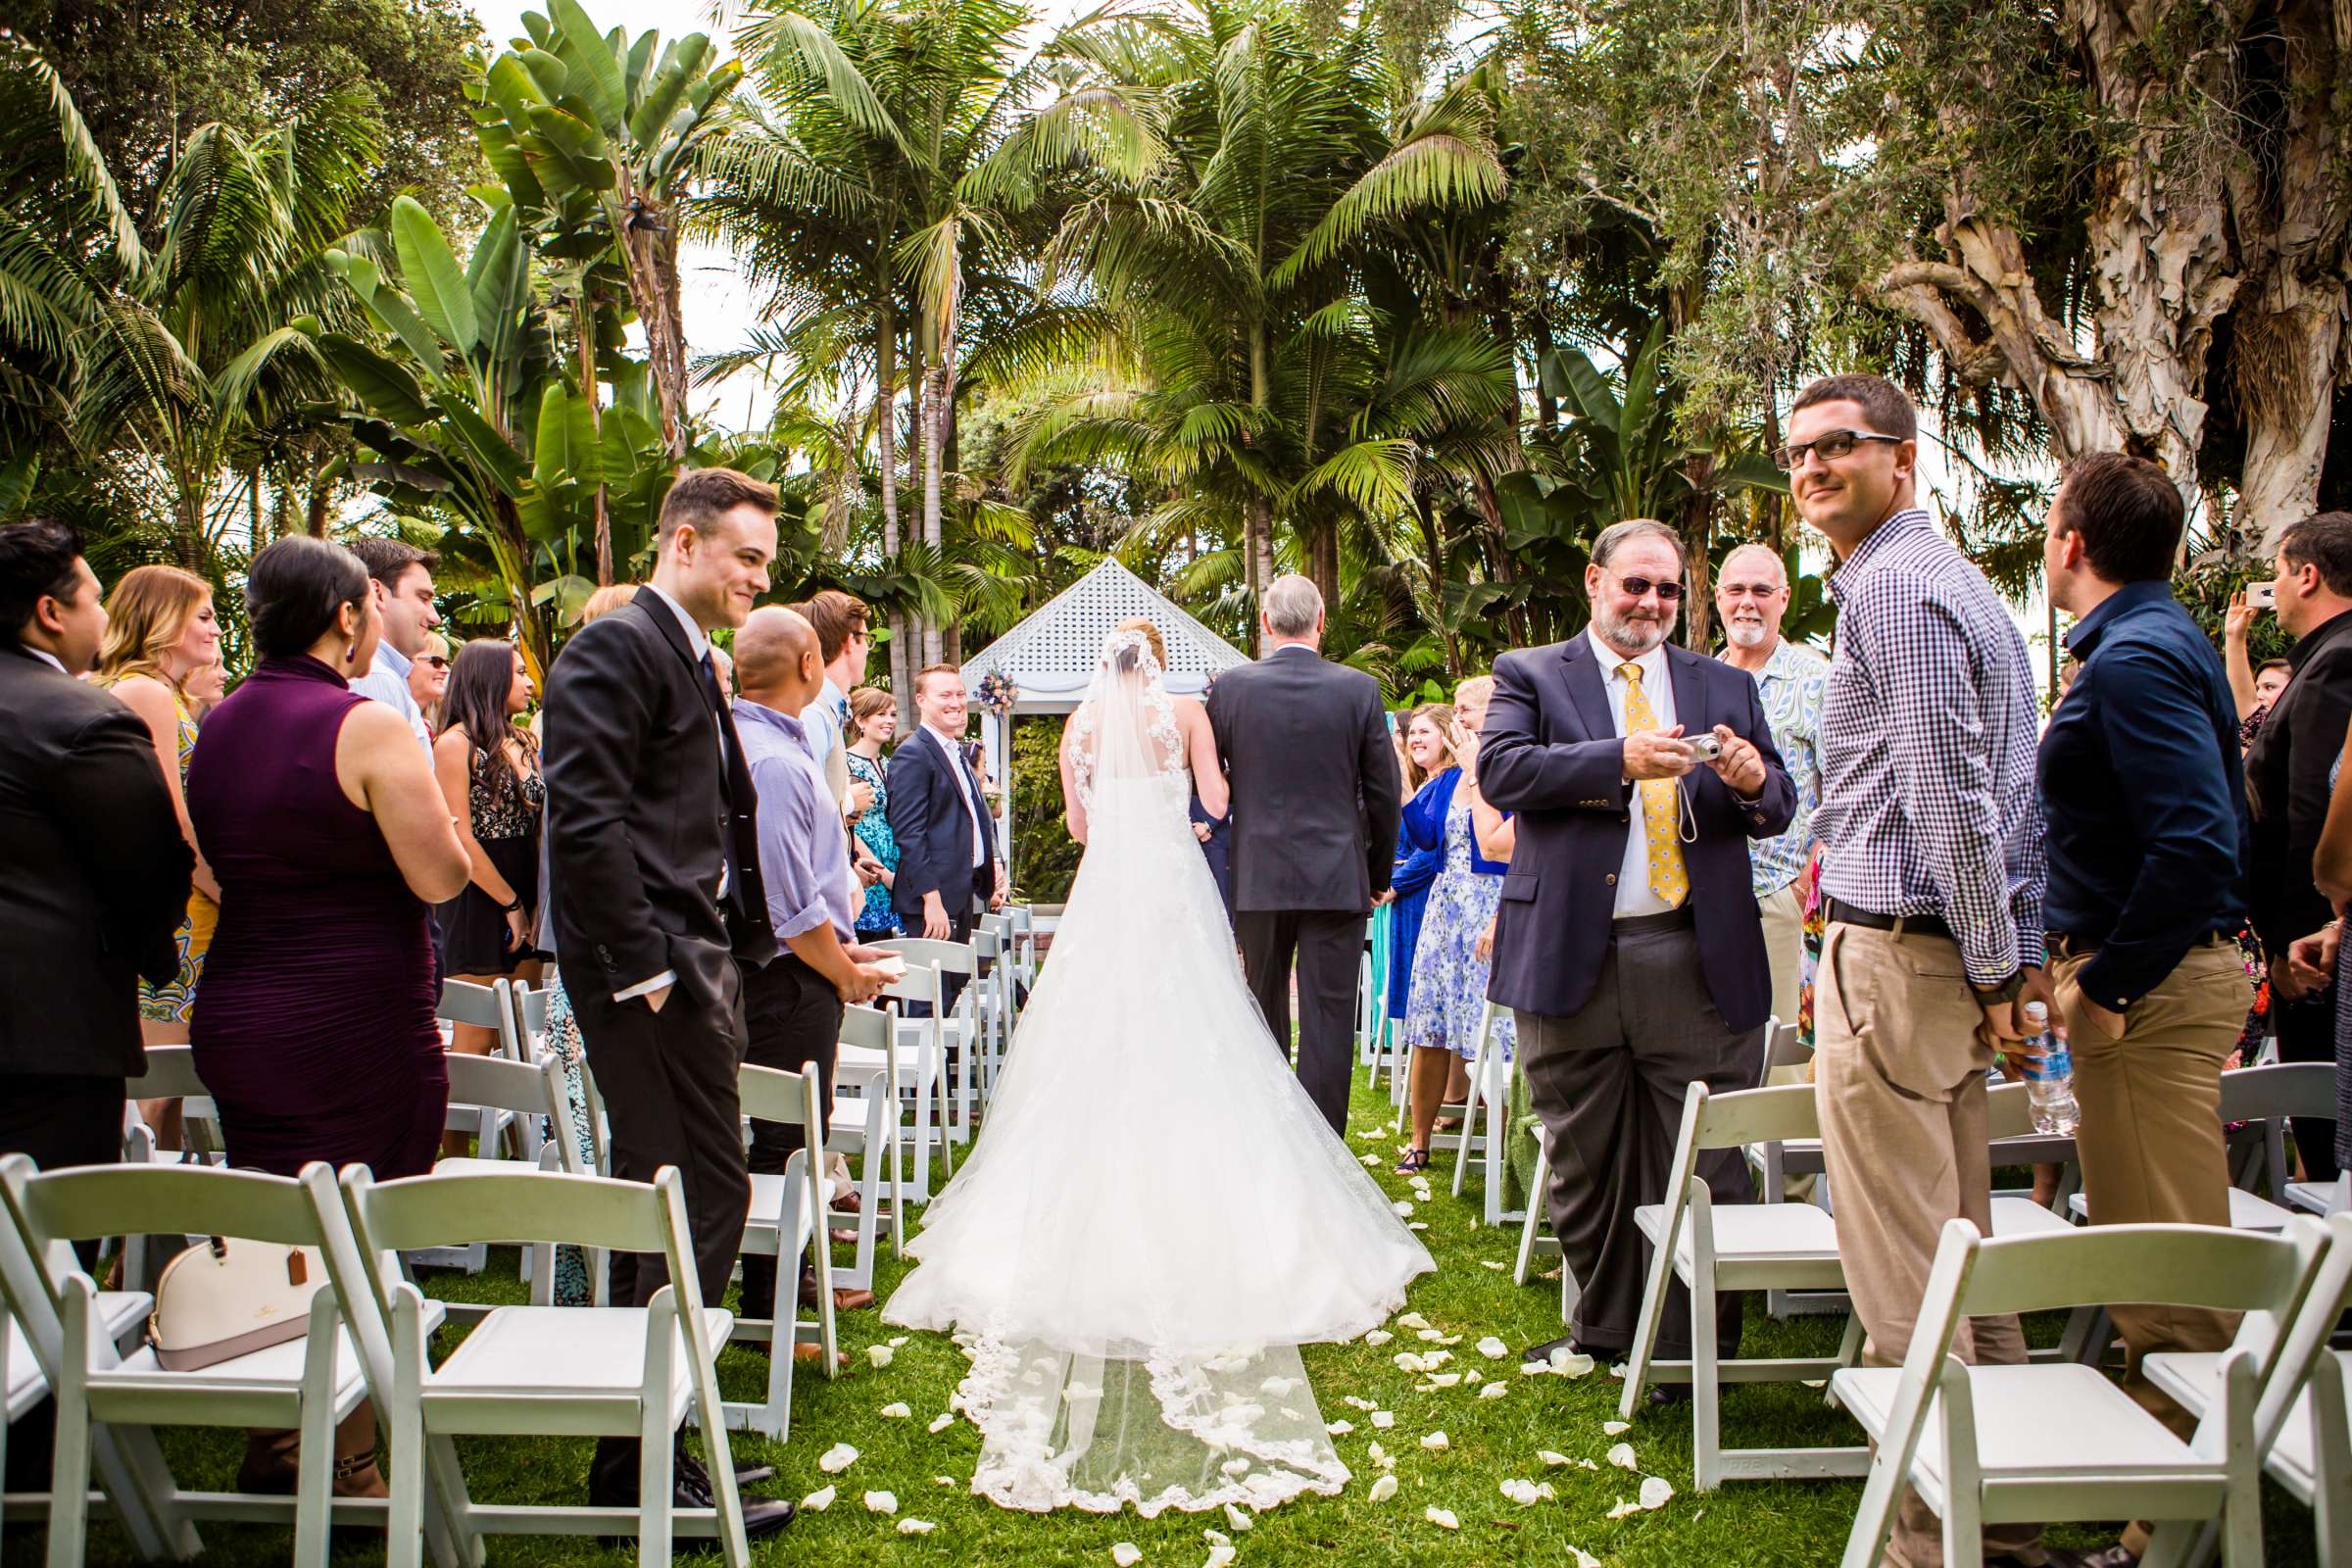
(2299,1420)
(172,1075)
(1533,1225)
(1490,1095)
(307,1384)
(864,1122)
(2264,1099)
(2058,1441)
(542,1371)
(2321,1197)
(785,1222)
(956,1030)
(520,1093)
(483,1008)
(922,1076)
(24,1383)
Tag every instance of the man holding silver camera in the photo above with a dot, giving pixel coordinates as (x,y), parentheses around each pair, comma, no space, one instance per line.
(1639,774)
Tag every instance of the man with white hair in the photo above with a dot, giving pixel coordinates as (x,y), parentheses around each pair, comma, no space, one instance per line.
(1315,817)
(1752,595)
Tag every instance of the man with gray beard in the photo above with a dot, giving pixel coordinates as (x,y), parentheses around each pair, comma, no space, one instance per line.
(1752,595)
(1628,881)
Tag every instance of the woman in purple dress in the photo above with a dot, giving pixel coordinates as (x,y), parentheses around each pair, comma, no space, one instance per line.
(318,810)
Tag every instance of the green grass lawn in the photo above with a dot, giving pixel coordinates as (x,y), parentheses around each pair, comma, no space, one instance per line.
(1489,1441)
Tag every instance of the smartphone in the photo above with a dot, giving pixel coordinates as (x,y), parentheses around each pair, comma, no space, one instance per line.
(2262,595)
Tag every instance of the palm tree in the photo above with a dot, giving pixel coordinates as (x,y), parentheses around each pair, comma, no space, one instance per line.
(1269,163)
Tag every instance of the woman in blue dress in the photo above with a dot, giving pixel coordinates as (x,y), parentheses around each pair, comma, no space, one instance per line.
(1427,754)
(873,721)
(1448,994)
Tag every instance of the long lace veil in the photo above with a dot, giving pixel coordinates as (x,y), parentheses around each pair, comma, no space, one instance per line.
(1126,728)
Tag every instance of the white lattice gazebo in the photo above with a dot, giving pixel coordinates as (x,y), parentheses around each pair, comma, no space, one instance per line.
(1050,657)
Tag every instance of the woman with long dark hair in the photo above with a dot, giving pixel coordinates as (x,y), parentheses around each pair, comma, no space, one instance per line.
(488,766)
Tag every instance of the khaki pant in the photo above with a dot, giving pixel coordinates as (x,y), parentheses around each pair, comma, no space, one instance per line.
(1783,916)
(2150,1141)
(1901,1080)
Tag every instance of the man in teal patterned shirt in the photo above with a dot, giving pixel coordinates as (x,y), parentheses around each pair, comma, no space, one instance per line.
(1752,595)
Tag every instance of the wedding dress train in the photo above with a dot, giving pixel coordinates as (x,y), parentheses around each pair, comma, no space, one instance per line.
(1154,1216)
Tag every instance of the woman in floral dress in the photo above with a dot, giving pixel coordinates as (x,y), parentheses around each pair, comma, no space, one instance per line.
(873,721)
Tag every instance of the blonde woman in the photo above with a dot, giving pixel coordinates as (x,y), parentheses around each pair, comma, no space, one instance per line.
(160,631)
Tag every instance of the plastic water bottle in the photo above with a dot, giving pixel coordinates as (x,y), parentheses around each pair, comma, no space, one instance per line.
(2050,1078)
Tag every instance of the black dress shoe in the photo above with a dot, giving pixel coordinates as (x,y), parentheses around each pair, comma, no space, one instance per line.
(760,1519)
(1669,1394)
(745,1474)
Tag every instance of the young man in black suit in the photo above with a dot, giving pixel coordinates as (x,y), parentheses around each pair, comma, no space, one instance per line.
(1305,745)
(1629,878)
(97,870)
(948,862)
(653,854)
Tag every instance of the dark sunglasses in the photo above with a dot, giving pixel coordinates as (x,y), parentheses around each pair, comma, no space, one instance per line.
(1668,591)
(1829,446)
(436,660)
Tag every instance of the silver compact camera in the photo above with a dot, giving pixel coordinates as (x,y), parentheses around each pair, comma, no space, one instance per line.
(1705,748)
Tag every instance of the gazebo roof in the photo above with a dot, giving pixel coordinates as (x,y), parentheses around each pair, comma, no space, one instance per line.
(1050,656)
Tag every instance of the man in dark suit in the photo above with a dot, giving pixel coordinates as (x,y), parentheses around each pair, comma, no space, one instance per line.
(947,862)
(1305,744)
(2288,775)
(1630,879)
(654,859)
(97,870)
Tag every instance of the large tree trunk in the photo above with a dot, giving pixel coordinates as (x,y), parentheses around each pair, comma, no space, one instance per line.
(2289,344)
(1696,526)
(2159,246)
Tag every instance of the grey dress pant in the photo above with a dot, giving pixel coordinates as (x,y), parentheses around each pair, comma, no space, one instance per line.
(1608,1085)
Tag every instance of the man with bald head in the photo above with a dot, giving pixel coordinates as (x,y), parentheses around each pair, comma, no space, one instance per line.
(792,1005)
(1751,595)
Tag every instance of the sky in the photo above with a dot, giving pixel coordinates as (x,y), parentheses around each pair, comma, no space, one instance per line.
(720,309)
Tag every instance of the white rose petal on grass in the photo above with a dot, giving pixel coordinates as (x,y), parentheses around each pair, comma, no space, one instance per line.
(881,1502)
(942,1421)
(879,1354)
(1612,1428)
(1380,1456)
(1545,1490)
(1216,1538)
(1412,1320)
(1384,1419)
(1434,1359)
(1495,1390)
(1621,1455)
(1656,1491)
(839,1457)
(895,1411)
(1436,1443)
(1442,1518)
(1339,1429)
(1569,1364)
(1238,1519)
(1552,1458)
(1431,1337)
(1126,1553)
(1521,1491)
(1622,1509)
(1471,1375)
(897,1340)
(1383,1489)
(1358,1401)
(1218,1557)
(1416,1225)
(1581,1558)
(1407,1361)
(1493,1349)
(820,1499)
(942,1481)
(1488,1262)
(1403,1208)
(1379,1337)
(915,1527)
(1372,1160)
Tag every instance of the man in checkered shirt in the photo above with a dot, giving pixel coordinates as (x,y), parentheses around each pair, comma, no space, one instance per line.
(1932,869)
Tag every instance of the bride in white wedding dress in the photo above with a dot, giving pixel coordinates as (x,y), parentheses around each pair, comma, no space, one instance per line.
(1154,1216)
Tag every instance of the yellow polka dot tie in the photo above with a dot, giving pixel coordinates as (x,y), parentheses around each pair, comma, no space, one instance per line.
(1661,822)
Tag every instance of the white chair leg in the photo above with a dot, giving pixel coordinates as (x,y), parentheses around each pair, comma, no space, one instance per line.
(1535,1206)
(70,1457)
(657,1483)
(1653,1307)
(2332,1442)
(2242,1514)
(1963,1477)
(1706,1390)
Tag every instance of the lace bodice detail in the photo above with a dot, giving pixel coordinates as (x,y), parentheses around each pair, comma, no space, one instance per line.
(1126,729)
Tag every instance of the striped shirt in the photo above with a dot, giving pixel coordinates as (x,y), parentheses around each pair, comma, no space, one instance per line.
(1791,686)
(1927,736)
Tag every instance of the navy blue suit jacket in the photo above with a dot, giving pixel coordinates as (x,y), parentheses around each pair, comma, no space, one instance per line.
(1551,754)
(935,833)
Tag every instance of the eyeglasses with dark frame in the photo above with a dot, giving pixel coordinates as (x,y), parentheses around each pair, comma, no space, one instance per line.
(1668,591)
(436,660)
(1829,446)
